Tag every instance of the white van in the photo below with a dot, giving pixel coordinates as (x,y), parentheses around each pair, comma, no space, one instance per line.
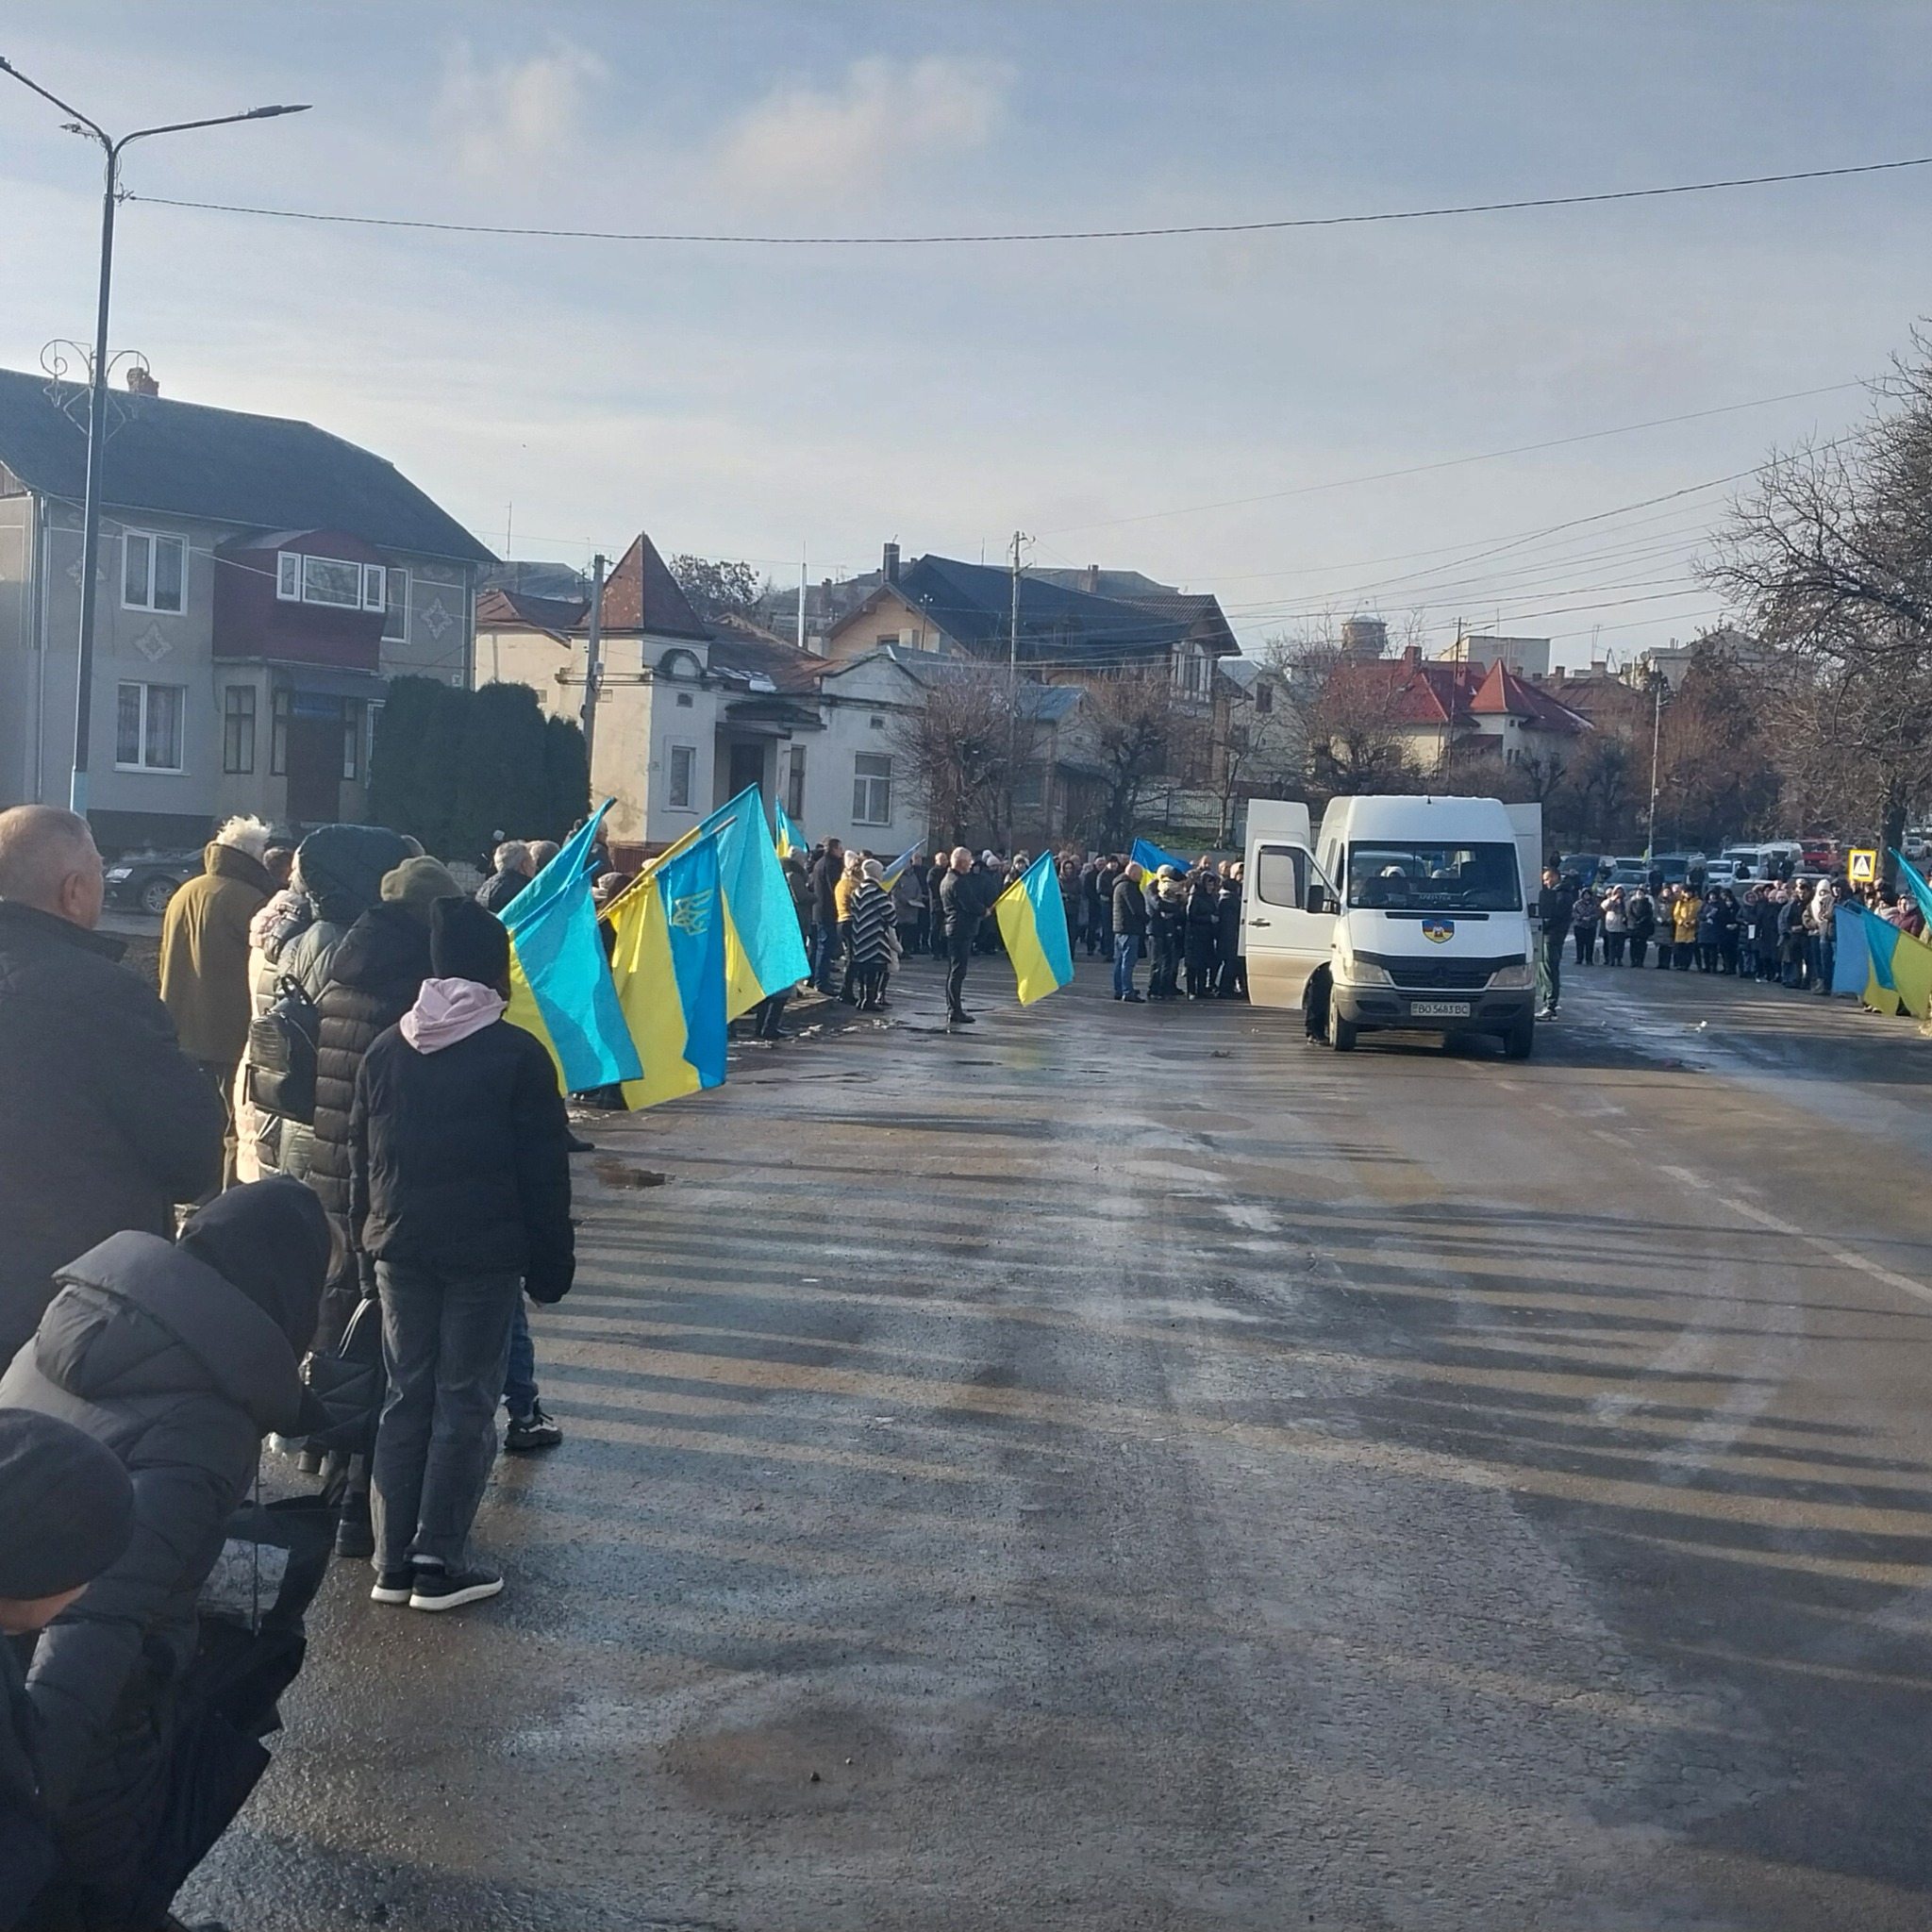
(1410,913)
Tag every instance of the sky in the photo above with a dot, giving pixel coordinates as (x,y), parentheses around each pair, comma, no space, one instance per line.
(1220,412)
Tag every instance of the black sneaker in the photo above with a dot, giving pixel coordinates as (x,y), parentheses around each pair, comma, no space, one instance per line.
(392,1586)
(355,1533)
(958,1019)
(577,1144)
(533,1431)
(438,1589)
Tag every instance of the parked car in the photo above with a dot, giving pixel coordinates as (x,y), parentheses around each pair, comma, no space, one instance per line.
(146,881)
(1627,873)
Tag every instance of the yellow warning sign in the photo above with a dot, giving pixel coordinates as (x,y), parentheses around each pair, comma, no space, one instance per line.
(1862,866)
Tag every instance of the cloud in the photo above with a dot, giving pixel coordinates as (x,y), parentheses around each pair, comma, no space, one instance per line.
(806,144)
(519,116)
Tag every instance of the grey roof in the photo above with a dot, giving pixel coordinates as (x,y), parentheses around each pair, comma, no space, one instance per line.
(222,466)
(1243,672)
(972,604)
(1048,703)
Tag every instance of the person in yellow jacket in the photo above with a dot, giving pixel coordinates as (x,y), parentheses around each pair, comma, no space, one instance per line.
(1684,911)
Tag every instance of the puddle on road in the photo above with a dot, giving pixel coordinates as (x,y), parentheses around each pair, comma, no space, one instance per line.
(620,1174)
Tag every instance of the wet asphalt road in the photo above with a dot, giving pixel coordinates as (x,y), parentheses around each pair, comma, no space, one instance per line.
(1129,1467)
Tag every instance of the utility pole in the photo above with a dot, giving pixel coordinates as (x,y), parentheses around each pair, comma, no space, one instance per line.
(1656,735)
(97,397)
(800,599)
(593,667)
(1013,687)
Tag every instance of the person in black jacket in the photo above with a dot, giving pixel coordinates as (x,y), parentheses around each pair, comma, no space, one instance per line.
(965,896)
(69,1511)
(374,976)
(104,1121)
(1555,904)
(1203,932)
(1129,932)
(823,874)
(1231,976)
(515,869)
(460,1190)
(179,1358)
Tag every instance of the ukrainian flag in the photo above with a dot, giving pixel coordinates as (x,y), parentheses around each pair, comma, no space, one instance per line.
(1914,879)
(559,982)
(1033,922)
(790,841)
(896,870)
(1881,943)
(1147,859)
(764,947)
(668,965)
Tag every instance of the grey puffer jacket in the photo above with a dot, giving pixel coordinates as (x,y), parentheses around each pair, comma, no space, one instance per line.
(181,1375)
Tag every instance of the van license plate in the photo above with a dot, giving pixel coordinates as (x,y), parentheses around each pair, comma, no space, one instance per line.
(1438,1010)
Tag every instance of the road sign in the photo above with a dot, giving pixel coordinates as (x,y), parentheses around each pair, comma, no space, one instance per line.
(1862,866)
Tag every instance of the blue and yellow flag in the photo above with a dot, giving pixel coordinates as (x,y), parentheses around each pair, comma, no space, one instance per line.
(764,949)
(1033,922)
(559,981)
(1881,943)
(1920,889)
(668,965)
(789,839)
(1147,859)
(897,868)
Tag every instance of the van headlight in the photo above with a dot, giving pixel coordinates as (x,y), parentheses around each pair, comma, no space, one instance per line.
(1354,972)
(1517,979)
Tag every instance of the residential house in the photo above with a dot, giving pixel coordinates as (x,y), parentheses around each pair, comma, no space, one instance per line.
(689,713)
(259,582)
(1445,711)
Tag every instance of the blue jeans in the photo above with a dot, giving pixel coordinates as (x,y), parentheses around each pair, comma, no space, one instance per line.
(445,1343)
(520,1379)
(825,952)
(1127,953)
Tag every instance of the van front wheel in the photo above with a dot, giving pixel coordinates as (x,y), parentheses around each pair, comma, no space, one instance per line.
(1342,1033)
(1519,1042)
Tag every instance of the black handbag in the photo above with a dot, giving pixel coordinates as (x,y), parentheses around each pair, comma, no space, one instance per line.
(282,1048)
(348,1382)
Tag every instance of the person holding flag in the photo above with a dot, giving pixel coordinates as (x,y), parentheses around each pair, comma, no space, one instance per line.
(963,900)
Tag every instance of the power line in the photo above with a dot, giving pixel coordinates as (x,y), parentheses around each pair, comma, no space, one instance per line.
(1452,462)
(1274,226)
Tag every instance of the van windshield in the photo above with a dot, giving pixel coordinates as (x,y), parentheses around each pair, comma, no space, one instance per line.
(1434,878)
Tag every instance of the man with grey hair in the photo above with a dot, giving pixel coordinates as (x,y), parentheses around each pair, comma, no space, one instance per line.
(205,958)
(514,871)
(105,1123)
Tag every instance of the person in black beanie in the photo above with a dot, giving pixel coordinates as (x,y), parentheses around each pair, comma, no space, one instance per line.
(69,1510)
(459,1191)
(177,1358)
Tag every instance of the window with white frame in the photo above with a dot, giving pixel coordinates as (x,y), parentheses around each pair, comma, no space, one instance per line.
(337,583)
(871,789)
(238,728)
(154,571)
(683,764)
(147,728)
(395,615)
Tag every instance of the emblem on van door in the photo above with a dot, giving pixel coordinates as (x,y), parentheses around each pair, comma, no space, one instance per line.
(1439,929)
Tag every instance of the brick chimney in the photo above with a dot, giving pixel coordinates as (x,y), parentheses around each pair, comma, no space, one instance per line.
(888,569)
(140,382)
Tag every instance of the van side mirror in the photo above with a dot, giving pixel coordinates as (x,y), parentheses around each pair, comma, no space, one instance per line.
(1319,900)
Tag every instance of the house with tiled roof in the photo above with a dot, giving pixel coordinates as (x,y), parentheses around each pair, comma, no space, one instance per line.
(691,711)
(1445,710)
(260,581)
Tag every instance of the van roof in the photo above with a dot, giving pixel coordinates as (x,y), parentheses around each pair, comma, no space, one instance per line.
(1418,819)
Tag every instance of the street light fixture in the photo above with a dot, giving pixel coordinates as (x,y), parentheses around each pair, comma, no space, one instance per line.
(97,399)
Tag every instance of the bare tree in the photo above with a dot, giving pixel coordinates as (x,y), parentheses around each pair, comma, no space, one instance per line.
(1138,730)
(962,746)
(715,588)
(1830,555)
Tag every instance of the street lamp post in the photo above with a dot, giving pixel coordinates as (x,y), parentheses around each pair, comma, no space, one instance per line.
(97,397)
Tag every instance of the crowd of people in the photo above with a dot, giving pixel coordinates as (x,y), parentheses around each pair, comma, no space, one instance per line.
(1780,932)
(859,924)
(376,1168)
